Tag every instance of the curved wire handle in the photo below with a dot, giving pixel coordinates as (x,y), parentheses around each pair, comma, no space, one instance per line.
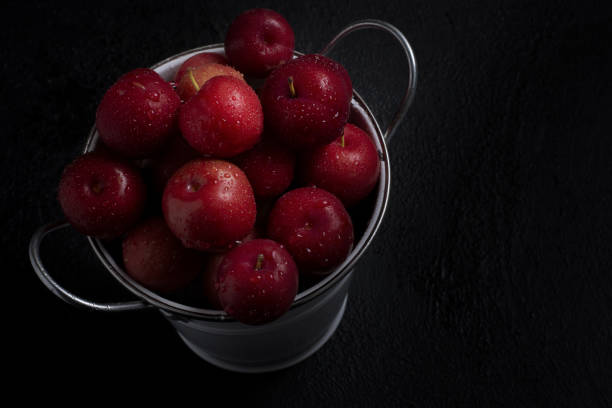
(412,66)
(58,290)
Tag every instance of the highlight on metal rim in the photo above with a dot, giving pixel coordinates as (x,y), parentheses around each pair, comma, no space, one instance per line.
(57,289)
(412,66)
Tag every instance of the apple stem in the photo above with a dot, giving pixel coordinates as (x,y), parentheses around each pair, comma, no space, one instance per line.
(138,84)
(342,140)
(260,258)
(291,87)
(193,80)
(97,187)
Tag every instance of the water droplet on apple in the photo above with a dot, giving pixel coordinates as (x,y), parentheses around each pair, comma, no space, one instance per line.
(154,96)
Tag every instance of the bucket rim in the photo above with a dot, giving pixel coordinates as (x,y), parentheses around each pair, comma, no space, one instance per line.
(181,311)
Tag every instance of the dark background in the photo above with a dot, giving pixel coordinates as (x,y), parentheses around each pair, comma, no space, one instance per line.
(490,280)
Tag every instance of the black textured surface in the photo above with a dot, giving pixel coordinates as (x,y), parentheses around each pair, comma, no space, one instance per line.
(490,281)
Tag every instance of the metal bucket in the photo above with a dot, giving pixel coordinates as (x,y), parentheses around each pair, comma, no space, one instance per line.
(315,312)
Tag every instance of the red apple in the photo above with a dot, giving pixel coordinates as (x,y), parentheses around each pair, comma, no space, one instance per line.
(137,114)
(176,154)
(314,227)
(257,281)
(155,258)
(101,196)
(193,79)
(306,101)
(197,60)
(269,168)
(347,167)
(209,279)
(223,119)
(209,204)
(259,40)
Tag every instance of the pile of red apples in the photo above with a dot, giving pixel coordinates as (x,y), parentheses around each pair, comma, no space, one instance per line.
(206,181)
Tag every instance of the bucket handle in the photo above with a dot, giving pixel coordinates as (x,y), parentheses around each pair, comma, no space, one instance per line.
(412,66)
(59,291)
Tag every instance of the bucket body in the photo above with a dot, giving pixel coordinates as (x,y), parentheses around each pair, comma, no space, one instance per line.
(273,346)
